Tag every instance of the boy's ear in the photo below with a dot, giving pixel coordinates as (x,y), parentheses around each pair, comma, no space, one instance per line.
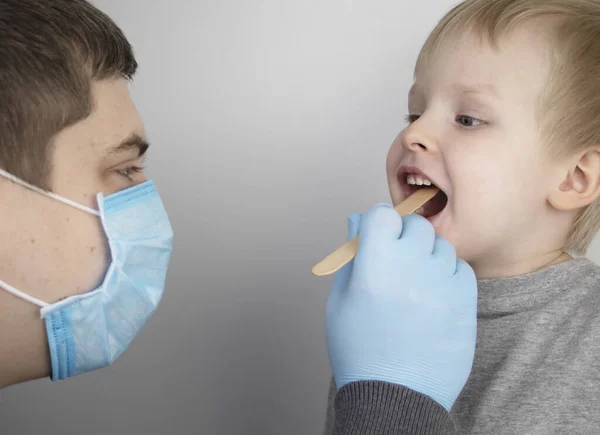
(581,184)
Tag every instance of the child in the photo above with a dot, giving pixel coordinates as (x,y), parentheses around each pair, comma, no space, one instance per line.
(504,117)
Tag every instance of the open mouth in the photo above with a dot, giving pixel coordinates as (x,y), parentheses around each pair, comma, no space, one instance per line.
(412,181)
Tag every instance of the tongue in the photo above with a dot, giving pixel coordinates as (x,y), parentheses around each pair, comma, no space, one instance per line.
(434,206)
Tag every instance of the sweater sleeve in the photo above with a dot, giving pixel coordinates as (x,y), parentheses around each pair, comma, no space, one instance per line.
(369,408)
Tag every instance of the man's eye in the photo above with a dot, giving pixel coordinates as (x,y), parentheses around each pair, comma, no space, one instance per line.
(411,118)
(468,121)
(130,171)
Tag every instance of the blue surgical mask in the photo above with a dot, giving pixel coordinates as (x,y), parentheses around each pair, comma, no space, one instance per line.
(89,331)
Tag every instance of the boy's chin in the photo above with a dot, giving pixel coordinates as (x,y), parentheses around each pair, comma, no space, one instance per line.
(437,220)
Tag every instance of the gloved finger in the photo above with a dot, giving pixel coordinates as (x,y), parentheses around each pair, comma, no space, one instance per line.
(445,256)
(381,224)
(418,235)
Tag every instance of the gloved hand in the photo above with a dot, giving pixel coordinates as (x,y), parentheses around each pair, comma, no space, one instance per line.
(404,310)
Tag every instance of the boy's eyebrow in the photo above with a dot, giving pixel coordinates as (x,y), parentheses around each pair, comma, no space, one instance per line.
(132,142)
(475,89)
(460,89)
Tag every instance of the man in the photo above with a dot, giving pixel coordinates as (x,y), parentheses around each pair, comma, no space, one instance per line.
(68,126)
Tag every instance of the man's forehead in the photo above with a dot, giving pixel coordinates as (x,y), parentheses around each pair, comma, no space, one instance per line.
(115,122)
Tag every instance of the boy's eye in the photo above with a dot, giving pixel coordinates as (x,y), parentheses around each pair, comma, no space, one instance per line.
(464,120)
(468,121)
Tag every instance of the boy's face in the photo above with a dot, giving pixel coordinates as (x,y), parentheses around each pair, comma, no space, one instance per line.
(51,250)
(474,134)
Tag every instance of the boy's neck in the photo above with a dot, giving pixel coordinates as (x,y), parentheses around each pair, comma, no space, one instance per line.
(521,267)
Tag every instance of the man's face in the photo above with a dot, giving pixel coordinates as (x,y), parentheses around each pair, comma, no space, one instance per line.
(51,250)
(104,153)
(473,132)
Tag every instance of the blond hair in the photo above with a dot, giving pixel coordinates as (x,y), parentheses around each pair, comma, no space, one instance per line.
(569,109)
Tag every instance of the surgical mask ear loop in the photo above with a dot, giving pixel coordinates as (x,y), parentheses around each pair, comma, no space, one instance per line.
(67,201)
(8,287)
(24,296)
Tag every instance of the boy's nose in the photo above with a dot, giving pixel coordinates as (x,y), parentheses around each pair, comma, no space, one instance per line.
(417,141)
(416,146)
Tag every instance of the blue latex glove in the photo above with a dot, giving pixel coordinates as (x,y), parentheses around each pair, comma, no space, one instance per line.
(404,310)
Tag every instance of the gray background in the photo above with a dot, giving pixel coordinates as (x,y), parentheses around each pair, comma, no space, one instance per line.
(270,121)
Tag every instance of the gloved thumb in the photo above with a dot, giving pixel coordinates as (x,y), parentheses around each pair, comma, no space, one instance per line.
(353,225)
(342,276)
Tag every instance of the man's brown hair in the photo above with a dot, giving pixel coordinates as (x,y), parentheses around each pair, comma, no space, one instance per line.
(50,53)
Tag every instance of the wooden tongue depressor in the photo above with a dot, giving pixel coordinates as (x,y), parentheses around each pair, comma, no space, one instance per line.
(345,253)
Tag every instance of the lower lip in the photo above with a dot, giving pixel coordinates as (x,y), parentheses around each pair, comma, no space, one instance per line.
(436,217)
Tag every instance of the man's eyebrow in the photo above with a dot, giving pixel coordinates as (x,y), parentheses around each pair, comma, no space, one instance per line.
(133,142)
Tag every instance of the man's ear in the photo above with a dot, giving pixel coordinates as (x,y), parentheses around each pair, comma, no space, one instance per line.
(580,184)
